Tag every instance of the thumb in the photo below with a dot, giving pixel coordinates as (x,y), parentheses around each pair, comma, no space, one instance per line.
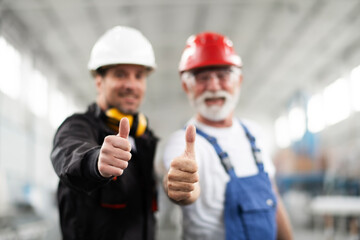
(124,128)
(190,141)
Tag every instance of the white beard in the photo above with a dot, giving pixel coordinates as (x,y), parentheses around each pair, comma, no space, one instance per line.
(215,112)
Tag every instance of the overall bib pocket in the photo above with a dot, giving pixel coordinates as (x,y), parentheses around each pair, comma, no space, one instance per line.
(250,208)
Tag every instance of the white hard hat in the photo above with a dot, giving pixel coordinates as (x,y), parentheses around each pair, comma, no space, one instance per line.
(122,45)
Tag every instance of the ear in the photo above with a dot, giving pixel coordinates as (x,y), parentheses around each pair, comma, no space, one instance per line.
(240,79)
(98,82)
(185,86)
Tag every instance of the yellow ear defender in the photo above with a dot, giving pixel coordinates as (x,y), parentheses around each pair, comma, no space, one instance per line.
(138,122)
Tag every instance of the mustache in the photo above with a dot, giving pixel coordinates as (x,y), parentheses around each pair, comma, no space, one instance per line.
(215,113)
(127,92)
(217,94)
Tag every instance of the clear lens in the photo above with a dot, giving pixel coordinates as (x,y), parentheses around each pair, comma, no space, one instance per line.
(203,77)
(223,75)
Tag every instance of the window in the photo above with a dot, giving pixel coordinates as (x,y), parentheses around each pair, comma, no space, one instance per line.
(297,122)
(38,94)
(334,104)
(315,112)
(337,101)
(282,132)
(10,62)
(355,88)
(58,109)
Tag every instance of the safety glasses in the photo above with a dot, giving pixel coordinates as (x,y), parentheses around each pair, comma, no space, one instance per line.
(224,75)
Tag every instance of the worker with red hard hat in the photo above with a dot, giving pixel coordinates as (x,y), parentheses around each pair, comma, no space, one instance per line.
(218,168)
(104,157)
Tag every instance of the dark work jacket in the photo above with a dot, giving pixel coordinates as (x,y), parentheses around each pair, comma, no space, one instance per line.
(93,207)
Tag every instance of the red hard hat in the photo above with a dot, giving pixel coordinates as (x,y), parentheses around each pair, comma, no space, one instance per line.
(208,49)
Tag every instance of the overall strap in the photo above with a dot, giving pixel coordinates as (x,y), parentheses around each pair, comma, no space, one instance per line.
(255,150)
(224,157)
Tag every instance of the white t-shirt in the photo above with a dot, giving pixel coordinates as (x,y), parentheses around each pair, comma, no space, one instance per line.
(204,218)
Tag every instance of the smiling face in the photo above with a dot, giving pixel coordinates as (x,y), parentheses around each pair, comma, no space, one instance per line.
(213,92)
(122,87)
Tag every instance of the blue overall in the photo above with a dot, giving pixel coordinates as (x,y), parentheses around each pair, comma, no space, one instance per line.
(250,203)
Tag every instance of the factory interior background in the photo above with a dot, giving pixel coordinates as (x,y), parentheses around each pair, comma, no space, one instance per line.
(301,84)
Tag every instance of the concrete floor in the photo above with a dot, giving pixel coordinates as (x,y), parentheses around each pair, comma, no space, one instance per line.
(299,234)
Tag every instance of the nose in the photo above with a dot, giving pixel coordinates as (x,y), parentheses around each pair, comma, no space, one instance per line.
(213,84)
(131,82)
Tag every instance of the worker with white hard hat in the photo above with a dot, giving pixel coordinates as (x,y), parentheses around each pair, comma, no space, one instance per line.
(104,157)
(218,170)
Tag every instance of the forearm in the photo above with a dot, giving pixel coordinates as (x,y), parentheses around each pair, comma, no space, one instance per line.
(284,230)
(76,166)
(284,227)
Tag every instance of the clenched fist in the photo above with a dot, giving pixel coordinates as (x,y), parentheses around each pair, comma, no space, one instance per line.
(181,181)
(115,152)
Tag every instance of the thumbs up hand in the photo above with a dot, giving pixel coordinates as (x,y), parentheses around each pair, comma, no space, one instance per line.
(181,181)
(115,152)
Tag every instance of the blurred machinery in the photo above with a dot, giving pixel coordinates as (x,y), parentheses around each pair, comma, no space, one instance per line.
(319,179)
(19,220)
